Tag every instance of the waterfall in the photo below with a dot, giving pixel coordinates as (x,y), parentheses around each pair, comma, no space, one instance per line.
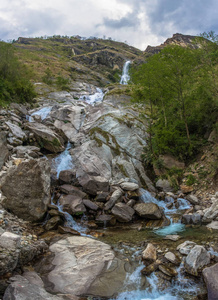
(173,228)
(125,75)
(95,98)
(43,113)
(63,161)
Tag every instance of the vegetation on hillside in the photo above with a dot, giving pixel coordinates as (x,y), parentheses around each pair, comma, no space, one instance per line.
(180,88)
(15,84)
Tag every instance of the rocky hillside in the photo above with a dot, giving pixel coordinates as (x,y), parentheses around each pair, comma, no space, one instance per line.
(95,61)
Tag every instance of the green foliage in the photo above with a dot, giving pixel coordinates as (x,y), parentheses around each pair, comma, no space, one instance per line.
(15,82)
(190,180)
(179,88)
(62,83)
(48,77)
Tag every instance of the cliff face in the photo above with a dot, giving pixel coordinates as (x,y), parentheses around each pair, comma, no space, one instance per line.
(177,39)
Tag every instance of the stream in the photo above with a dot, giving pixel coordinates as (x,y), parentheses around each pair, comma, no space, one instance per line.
(128,241)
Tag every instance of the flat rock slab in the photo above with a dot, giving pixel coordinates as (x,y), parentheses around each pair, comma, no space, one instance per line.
(84,266)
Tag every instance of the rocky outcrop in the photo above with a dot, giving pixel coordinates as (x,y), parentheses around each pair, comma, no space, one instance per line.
(26,187)
(46,137)
(87,263)
(4,153)
(123,212)
(211,279)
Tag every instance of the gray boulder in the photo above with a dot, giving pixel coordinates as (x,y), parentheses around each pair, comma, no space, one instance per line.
(192,199)
(26,187)
(123,212)
(212,212)
(210,275)
(197,258)
(149,255)
(83,266)
(186,247)
(213,225)
(4,153)
(93,184)
(191,219)
(46,137)
(16,131)
(148,211)
(129,186)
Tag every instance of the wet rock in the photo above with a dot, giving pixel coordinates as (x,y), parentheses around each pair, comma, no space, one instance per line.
(171,257)
(53,223)
(197,258)
(73,204)
(164,185)
(168,271)
(150,268)
(129,186)
(115,197)
(91,266)
(91,205)
(210,275)
(46,137)
(4,153)
(93,184)
(186,247)
(26,187)
(213,225)
(148,211)
(149,255)
(123,212)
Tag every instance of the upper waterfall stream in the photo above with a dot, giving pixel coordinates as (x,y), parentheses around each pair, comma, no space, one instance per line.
(125,74)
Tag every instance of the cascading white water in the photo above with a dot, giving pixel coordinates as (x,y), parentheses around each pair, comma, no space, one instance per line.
(43,113)
(95,98)
(125,75)
(63,161)
(173,228)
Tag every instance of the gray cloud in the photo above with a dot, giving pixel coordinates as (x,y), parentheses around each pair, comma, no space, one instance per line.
(140,22)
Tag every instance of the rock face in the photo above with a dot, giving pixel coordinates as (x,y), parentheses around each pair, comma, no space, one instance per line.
(3,149)
(211,279)
(197,258)
(27,189)
(46,137)
(87,263)
(148,211)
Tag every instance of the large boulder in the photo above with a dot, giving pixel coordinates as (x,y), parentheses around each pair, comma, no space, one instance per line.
(16,131)
(26,187)
(46,137)
(149,255)
(93,184)
(115,197)
(210,275)
(4,153)
(197,258)
(123,212)
(148,211)
(164,185)
(82,266)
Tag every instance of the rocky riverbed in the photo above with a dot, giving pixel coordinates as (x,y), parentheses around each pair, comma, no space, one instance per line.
(81,219)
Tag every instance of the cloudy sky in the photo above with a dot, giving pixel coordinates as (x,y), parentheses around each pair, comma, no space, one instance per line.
(138,22)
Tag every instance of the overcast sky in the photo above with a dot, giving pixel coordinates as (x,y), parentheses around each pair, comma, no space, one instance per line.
(139,22)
